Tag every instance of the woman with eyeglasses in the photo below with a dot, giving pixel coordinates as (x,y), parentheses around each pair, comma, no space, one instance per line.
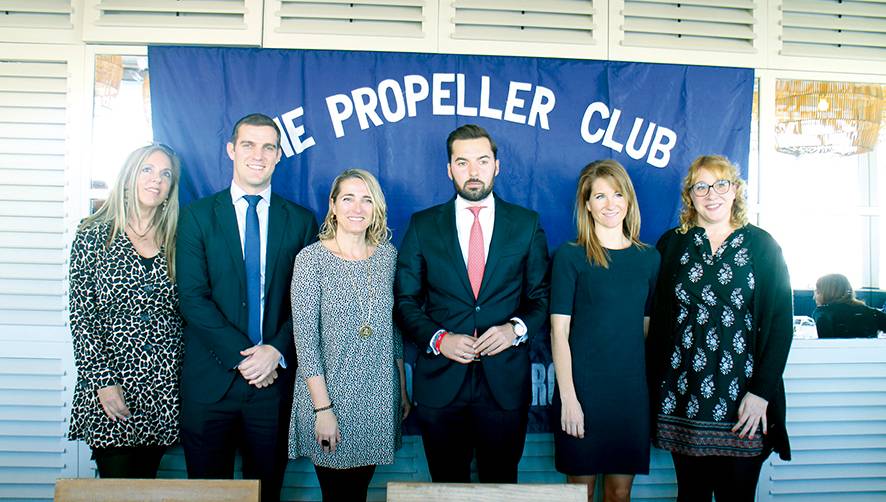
(839,314)
(125,322)
(719,341)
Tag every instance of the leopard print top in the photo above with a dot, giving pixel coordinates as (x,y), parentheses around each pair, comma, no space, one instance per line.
(127,331)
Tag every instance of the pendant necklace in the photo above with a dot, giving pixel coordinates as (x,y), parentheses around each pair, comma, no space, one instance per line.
(365,329)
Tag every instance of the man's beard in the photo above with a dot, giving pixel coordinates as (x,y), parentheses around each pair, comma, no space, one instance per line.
(474,195)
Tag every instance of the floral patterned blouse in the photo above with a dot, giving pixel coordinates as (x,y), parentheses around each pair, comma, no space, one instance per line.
(711,359)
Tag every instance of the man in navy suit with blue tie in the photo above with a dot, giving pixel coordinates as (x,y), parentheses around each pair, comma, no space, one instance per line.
(472,289)
(234,261)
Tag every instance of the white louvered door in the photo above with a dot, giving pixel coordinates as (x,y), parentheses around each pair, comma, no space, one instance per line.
(210,22)
(835,35)
(36,364)
(40,21)
(554,28)
(386,25)
(720,32)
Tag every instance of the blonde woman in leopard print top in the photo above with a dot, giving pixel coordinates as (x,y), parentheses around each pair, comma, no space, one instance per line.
(124,318)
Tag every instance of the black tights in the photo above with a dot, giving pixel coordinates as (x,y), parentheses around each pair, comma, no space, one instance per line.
(128,461)
(730,479)
(344,485)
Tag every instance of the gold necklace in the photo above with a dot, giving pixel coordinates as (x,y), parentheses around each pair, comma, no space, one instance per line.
(365,330)
(142,235)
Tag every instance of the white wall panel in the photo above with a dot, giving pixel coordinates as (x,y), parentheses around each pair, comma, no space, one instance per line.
(719,32)
(386,25)
(828,35)
(40,21)
(836,391)
(219,22)
(554,28)
(35,389)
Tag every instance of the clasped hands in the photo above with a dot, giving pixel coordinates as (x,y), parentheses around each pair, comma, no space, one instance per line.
(260,366)
(464,349)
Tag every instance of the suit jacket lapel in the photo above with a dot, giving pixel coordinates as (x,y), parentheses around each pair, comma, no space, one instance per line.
(227,218)
(277,224)
(449,232)
(501,228)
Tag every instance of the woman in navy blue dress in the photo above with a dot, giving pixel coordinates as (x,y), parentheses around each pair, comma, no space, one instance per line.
(602,284)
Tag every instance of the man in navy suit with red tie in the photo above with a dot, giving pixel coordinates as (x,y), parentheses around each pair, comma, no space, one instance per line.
(472,289)
(235,252)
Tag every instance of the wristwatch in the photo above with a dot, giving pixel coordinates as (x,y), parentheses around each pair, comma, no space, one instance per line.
(519,328)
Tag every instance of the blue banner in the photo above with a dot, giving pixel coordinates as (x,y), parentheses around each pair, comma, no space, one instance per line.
(390,113)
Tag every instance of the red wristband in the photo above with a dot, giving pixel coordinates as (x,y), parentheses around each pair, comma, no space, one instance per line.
(439,341)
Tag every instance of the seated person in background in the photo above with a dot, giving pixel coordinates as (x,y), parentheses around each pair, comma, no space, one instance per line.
(840,315)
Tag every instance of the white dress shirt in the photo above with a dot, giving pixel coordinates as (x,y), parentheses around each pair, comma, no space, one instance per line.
(240,207)
(464,220)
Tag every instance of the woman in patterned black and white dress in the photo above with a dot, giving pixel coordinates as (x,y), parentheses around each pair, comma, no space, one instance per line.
(721,331)
(125,323)
(350,395)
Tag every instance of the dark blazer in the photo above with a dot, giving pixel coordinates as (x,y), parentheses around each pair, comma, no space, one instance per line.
(848,320)
(211,279)
(434,292)
(772,312)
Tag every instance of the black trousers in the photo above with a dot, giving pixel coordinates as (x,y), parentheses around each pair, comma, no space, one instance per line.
(253,421)
(730,479)
(128,461)
(473,421)
(345,485)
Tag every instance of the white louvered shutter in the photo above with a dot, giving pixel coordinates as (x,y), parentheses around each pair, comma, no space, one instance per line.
(837,35)
(221,22)
(836,394)
(36,364)
(39,21)
(720,32)
(554,28)
(387,25)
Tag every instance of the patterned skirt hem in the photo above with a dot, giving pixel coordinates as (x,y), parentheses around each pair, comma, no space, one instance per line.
(700,438)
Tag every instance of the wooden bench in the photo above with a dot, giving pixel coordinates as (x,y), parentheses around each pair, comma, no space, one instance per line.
(156,490)
(463,492)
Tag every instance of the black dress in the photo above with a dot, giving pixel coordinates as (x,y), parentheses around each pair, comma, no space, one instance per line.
(711,361)
(608,364)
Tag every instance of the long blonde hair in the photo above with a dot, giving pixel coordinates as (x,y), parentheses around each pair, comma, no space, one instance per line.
(123,202)
(378,230)
(720,167)
(618,177)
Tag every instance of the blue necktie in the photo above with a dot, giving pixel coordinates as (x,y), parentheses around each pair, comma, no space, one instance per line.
(252,257)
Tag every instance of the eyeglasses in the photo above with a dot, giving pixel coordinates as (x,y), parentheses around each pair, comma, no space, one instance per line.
(701,188)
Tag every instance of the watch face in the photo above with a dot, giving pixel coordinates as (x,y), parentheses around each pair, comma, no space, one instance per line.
(519,329)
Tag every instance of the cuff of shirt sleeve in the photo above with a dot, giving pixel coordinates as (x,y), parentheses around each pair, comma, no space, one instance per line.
(520,339)
(283,362)
(432,347)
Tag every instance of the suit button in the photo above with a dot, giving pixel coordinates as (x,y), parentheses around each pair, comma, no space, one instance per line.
(148,348)
(243,304)
(146,317)
(148,288)
(477,308)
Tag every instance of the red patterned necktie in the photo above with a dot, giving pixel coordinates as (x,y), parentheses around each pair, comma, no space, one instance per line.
(476,254)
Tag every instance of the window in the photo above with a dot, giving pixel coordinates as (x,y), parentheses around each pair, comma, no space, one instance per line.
(121,118)
(823,208)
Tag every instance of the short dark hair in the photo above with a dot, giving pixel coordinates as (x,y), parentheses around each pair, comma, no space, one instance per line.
(255,119)
(469,131)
